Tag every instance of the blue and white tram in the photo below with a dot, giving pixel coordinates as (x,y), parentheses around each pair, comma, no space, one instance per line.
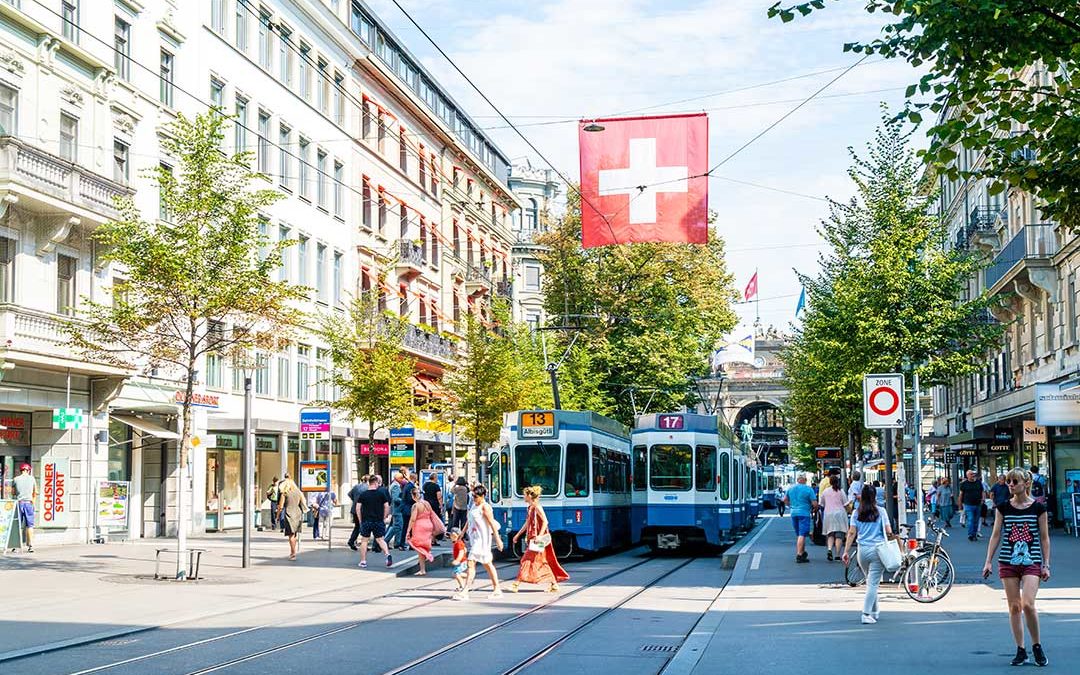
(684,473)
(753,491)
(581,461)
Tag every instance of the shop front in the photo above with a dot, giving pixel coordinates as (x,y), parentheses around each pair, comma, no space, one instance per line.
(14,448)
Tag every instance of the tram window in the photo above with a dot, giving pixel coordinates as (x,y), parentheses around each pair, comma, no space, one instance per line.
(705,465)
(622,473)
(537,464)
(577,470)
(495,476)
(725,476)
(670,467)
(504,462)
(599,470)
(640,467)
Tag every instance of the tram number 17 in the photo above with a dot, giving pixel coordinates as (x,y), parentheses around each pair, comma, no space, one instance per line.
(670,422)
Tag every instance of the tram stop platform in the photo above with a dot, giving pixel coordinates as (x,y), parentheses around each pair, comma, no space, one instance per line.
(803,618)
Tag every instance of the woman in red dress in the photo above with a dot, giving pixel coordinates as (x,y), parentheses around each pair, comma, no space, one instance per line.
(537,566)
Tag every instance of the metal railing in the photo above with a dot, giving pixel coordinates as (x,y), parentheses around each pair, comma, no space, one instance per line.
(1032,242)
(418,339)
(412,253)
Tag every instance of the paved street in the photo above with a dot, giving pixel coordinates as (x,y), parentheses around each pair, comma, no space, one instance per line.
(94,611)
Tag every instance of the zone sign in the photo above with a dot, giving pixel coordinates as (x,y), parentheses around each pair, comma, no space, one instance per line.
(883,401)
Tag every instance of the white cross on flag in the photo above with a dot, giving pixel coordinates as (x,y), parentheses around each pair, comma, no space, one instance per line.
(642,179)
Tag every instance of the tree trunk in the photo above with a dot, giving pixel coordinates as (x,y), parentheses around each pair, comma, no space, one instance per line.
(183,454)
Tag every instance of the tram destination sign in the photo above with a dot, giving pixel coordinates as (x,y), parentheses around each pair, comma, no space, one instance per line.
(536,424)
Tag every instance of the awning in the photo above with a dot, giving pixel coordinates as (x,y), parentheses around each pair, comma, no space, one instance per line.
(146,426)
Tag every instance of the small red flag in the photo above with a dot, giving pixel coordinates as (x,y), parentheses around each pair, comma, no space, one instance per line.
(751,289)
(642,179)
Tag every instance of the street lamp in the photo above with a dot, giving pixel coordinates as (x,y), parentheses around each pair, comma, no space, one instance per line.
(247,469)
(593,127)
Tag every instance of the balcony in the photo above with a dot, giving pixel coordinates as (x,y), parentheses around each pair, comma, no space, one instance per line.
(34,337)
(504,289)
(477,280)
(428,344)
(43,180)
(1029,251)
(411,258)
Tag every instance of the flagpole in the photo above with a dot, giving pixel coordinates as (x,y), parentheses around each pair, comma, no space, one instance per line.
(757,302)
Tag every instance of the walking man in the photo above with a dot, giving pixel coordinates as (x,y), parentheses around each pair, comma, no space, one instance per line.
(971,496)
(25,495)
(432,494)
(272,495)
(354,499)
(999,491)
(800,498)
(374,507)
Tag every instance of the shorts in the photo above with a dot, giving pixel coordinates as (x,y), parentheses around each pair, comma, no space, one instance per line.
(802,525)
(376,528)
(1006,571)
(26,513)
(461,568)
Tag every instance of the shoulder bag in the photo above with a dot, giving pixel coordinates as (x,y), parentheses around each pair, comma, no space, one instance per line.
(540,542)
(888,552)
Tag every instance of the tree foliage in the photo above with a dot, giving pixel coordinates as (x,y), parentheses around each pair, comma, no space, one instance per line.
(887,293)
(644,318)
(978,50)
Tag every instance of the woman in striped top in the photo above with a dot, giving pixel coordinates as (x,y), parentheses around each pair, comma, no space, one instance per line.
(1020,526)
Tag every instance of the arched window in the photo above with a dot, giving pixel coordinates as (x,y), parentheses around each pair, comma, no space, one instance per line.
(532,214)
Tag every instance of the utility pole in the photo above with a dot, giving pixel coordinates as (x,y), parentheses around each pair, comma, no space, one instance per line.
(890,498)
(247,469)
(920,521)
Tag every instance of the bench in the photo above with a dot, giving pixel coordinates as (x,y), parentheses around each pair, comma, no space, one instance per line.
(194,560)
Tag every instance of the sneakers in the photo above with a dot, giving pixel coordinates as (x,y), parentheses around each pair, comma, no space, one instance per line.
(1021,657)
(804,558)
(352,545)
(363,565)
(460,595)
(829,557)
(389,560)
(1040,656)
(496,594)
(867,618)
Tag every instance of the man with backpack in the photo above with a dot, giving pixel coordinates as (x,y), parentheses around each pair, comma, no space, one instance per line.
(1038,486)
(354,498)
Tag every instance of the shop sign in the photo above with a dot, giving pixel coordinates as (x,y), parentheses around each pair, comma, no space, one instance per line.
(402,445)
(68,418)
(1054,407)
(1000,448)
(227,441)
(14,429)
(1070,501)
(54,499)
(967,452)
(315,424)
(382,449)
(314,476)
(199,400)
(112,504)
(9,534)
(1033,433)
(1003,433)
(266,443)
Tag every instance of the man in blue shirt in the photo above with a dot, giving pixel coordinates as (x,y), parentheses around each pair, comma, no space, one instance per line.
(802,501)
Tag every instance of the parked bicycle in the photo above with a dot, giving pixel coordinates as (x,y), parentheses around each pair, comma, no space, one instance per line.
(926,572)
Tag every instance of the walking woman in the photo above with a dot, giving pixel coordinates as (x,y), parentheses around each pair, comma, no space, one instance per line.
(1020,526)
(538,564)
(836,519)
(870,527)
(481,530)
(460,511)
(945,503)
(421,530)
(292,506)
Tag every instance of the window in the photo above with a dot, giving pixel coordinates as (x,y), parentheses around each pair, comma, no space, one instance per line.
(434,315)
(305,187)
(323,95)
(241,25)
(1070,302)
(284,368)
(217,16)
(69,137)
(640,473)
(705,468)
(69,12)
(65,284)
(305,77)
(217,94)
(121,168)
(284,163)
(264,234)
(163,207)
(532,277)
(537,464)
(361,24)
(670,467)
(576,480)
(303,373)
(339,280)
(286,56)
(725,476)
(7,269)
(285,271)
(302,261)
(237,375)
(339,99)
(382,212)
(165,75)
(403,152)
(600,467)
(339,189)
(457,240)
(365,120)
(403,300)
(266,53)
(322,374)
(320,272)
(403,221)
(434,244)
(457,311)
(422,167)
(434,179)
(215,367)
(264,142)
(240,130)
(321,177)
(382,134)
(366,196)
(122,48)
(9,104)
(532,214)
(262,374)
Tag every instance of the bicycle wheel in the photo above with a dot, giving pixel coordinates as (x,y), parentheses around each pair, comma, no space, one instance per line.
(853,572)
(929,578)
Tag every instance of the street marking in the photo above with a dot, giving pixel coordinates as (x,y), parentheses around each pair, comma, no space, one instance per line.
(756,563)
(754,539)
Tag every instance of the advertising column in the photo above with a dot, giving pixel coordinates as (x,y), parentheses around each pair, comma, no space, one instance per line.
(403,448)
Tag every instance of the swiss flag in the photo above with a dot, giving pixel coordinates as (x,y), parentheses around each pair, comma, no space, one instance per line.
(642,179)
(751,289)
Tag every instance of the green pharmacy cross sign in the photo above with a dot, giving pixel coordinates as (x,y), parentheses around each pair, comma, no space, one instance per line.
(67,418)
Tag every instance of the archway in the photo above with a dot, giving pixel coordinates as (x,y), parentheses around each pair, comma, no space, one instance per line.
(770,431)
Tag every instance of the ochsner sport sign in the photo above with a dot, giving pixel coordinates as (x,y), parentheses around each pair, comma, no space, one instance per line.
(1054,407)
(53,493)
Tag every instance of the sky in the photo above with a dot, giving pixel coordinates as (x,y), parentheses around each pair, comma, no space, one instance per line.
(546,64)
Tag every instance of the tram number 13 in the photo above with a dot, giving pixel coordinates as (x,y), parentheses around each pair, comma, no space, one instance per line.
(537,424)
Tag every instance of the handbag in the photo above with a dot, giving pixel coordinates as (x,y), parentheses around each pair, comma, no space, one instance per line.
(888,552)
(437,525)
(540,542)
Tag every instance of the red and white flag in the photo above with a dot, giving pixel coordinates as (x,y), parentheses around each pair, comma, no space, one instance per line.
(751,289)
(642,179)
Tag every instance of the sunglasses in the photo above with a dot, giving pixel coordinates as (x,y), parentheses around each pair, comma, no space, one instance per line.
(1015,481)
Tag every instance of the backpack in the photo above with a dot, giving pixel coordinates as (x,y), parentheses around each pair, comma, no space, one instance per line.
(1038,489)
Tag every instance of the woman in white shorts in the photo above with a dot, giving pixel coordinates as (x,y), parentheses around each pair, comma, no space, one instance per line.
(481,528)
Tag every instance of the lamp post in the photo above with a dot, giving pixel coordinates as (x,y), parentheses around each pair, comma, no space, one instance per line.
(247,462)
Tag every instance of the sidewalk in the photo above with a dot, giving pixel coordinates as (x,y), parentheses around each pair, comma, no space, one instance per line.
(77,593)
(785,617)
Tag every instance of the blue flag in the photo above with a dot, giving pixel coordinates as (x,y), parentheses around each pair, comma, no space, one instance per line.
(802,302)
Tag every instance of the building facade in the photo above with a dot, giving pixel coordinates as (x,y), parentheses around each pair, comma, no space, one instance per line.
(1032,266)
(537,189)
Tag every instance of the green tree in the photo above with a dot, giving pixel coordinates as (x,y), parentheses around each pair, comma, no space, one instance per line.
(646,318)
(201,280)
(1003,69)
(372,373)
(887,292)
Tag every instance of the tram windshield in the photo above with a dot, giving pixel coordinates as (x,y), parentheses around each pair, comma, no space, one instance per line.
(537,464)
(670,467)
